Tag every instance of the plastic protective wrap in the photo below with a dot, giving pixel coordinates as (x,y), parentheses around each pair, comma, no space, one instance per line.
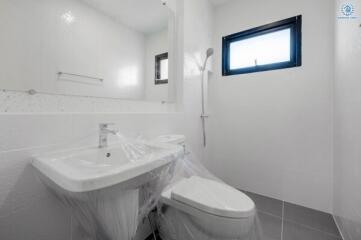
(107,214)
(114,212)
(178,223)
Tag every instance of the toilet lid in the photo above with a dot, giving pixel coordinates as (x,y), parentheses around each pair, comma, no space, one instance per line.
(213,197)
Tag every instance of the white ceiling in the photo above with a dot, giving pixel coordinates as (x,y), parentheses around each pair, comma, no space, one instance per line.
(219,2)
(146,16)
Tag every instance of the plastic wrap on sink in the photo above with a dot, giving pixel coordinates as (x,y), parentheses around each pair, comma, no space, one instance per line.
(114,212)
(106,214)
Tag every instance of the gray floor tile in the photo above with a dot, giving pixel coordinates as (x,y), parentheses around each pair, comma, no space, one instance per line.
(351,229)
(294,231)
(270,226)
(311,218)
(267,204)
(6,229)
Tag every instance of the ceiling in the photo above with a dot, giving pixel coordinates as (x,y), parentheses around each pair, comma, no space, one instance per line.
(219,2)
(146,16)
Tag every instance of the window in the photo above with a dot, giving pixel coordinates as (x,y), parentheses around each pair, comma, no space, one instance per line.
(161,68)
(269,47)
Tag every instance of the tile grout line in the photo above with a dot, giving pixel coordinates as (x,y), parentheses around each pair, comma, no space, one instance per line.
(309,227)
(282,219)
(270,214)
(71,227)
(339,228)
(314,229)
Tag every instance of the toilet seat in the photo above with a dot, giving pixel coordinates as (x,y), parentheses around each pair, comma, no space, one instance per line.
(213,198)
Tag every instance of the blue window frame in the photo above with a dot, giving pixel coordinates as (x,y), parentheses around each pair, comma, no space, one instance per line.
(273,46)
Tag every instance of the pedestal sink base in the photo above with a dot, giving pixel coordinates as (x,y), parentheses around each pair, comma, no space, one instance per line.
(107,214)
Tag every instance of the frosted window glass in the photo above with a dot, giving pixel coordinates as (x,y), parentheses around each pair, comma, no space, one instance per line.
(164,69)
(266,49)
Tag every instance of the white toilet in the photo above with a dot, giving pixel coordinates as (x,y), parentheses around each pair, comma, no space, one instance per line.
(204,209)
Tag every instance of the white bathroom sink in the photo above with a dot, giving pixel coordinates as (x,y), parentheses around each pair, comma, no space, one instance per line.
(95,168)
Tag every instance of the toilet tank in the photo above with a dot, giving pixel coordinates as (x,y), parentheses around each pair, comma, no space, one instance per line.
(172,139)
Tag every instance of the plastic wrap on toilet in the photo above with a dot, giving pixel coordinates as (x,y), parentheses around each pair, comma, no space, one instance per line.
(178,224)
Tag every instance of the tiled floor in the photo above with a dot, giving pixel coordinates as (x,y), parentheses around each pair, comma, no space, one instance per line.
(285,221)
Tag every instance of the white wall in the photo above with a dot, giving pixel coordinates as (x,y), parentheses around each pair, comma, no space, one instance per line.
(39,40)
(155,44)
(198,27)
(347,194)
(271,132)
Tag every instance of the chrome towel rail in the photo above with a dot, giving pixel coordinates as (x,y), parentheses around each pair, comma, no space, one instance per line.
(82,76)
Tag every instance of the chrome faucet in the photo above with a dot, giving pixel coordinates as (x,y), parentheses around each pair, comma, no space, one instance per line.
(104,131)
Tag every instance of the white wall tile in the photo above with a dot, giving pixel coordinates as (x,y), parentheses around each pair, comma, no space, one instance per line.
(43,219)
(26,130)
(198,27)
(29,208)
(8,173)
(308,188)
(17,102)
(267,122)
(347,138)
(94,44)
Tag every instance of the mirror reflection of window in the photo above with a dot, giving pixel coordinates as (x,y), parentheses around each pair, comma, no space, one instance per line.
(161,69)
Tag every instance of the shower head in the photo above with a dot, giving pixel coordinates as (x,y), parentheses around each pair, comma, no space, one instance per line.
(209,53)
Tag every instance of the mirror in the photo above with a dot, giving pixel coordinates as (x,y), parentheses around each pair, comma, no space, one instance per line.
(98,48)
